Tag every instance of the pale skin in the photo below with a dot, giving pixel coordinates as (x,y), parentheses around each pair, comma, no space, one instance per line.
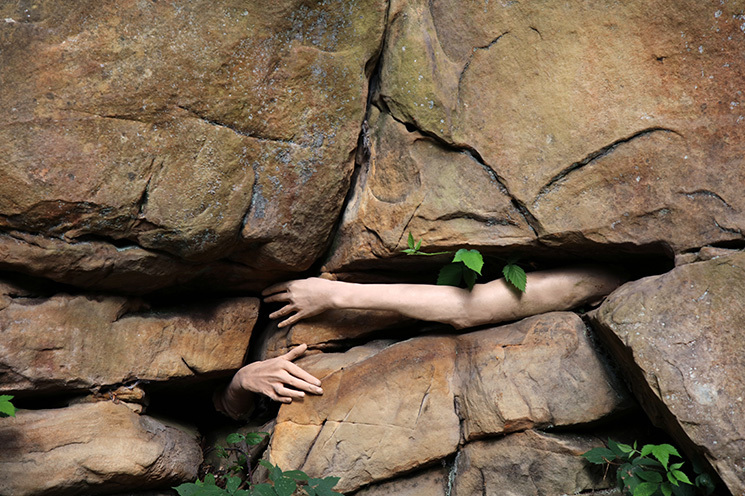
(489,303)
(278,378)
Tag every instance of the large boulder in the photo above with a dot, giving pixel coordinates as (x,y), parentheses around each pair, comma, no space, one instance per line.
(80,342)
(622,126)
(679,337)
(389,409)
(95,448)
(203,130)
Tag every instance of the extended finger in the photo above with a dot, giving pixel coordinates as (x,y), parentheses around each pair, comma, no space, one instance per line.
(303,375)
(272,395)
(291,320)
(286,296)
(284,392)
(282,312)
(295,352)
(276,288)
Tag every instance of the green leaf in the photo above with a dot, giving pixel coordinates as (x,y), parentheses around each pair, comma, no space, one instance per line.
(662,452)
(666,489)
(650,476)
(410,241)
(676,466)
(672,479)
(621,450)
(681,476)
(232,483)
(515,275)
(284,486)
(647,449)
(266,464)
(264,490)
(647,462)
(201,488)
(254,438)
(6,407)
(296,474)
(645,489)
(188,489)
(235,438)
(704,481)
(471,258)
(418,244)
(470,277)
(683,490)
(599,456)
(450,275)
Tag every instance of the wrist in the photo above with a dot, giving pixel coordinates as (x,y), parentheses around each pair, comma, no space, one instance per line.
(338,296)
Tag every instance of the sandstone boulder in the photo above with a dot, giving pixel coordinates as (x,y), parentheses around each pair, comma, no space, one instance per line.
(202,130)
(92,449)
(529,463)
(392,410)
(622,126)
(679,337)
(81,342)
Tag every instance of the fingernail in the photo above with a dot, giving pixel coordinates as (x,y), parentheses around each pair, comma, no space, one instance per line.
(302,394)
(319,391)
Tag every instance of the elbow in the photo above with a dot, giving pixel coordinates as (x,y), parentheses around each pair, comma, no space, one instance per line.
(469,316)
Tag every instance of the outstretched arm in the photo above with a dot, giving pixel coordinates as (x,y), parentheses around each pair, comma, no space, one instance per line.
(549,290)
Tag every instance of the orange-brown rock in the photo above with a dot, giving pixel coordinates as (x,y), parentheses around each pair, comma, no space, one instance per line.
(583,125)
(679,338)
(203,130)
(389,411)
(80,342)
(93,449)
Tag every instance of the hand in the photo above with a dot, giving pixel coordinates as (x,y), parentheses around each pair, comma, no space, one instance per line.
(305,297)
(272,378)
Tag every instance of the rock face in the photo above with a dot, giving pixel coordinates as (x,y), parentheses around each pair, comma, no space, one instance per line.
(582,126)
(207,148)
(507,466)
(203,130)
(92,449)
(81,342)
(680,337)
(435,392)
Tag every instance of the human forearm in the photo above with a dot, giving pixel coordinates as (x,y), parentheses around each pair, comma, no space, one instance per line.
(558,289)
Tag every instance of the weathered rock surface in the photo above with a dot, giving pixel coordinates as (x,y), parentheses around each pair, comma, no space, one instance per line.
(79,342)
(519,464)
(332,328)
(585,125)
(431,482)
(679,336)
(389,411)
(204,130)
(92,449)
(508,466)
(130,269)
(412,183)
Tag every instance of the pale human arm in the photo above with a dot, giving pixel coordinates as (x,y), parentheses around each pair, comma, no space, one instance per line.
(493,302)
(270,377)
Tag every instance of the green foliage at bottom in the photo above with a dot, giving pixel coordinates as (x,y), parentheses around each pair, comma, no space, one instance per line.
(281,483)
(640,474)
